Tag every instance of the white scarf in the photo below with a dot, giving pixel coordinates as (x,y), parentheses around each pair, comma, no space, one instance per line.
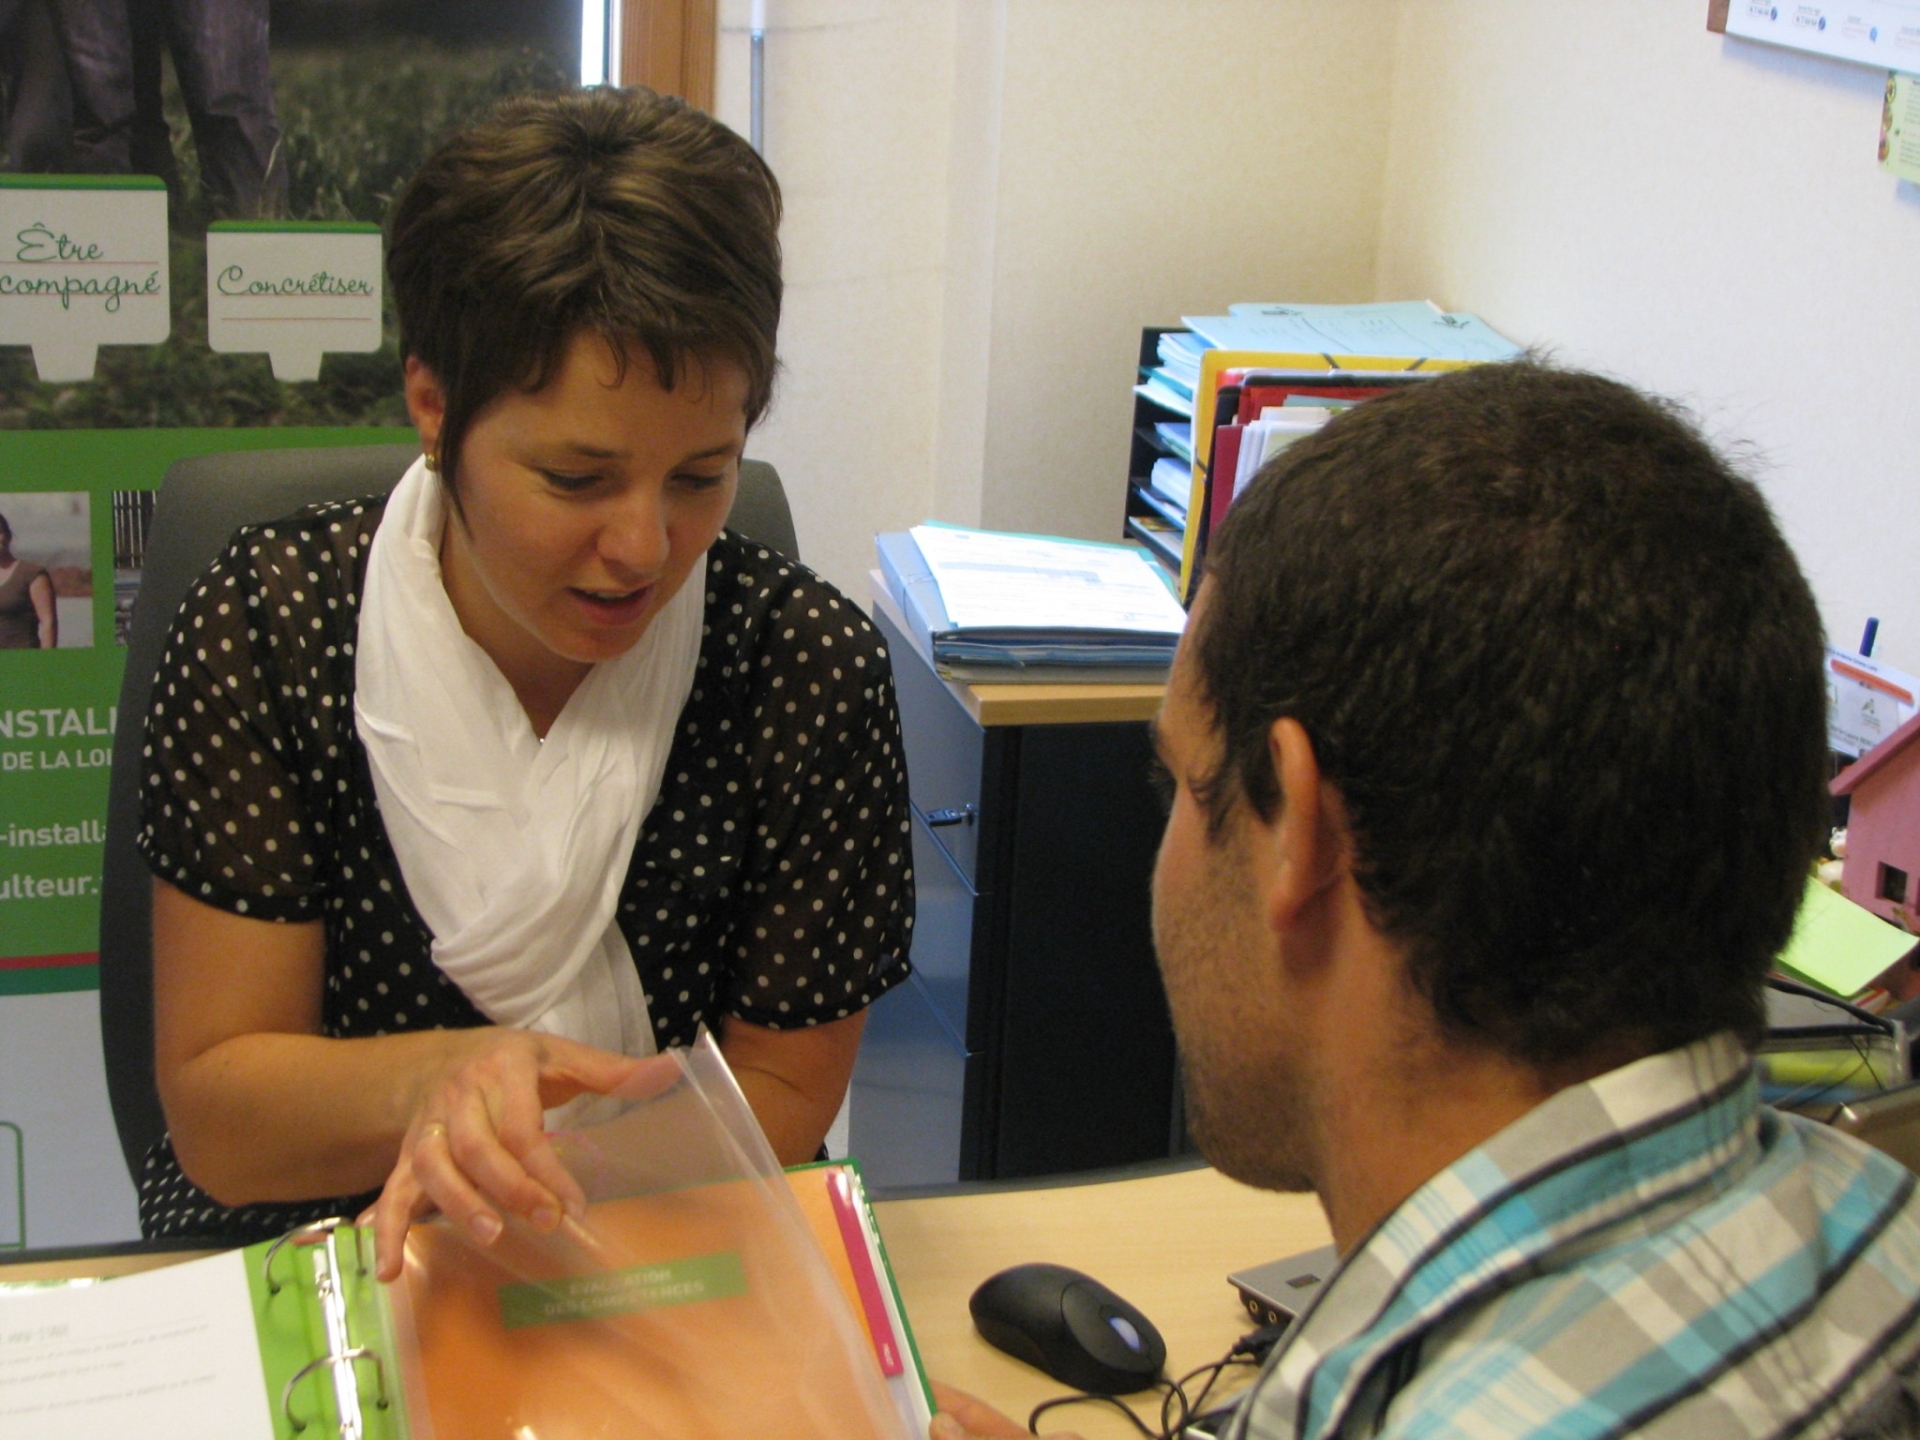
(515,851)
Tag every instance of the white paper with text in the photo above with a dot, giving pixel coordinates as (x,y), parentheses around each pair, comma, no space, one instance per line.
(168,1355)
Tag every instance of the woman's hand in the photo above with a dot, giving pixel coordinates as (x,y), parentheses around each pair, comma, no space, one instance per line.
(962,1417)
(477,1145)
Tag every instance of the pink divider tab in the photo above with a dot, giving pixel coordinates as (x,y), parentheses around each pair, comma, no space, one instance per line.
(865,1281)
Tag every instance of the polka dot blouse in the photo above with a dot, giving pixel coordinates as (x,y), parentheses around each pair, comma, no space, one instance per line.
(772,880)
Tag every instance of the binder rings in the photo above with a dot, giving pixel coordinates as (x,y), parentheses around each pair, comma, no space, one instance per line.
(692,1301)
(287,1338)
(326,1334)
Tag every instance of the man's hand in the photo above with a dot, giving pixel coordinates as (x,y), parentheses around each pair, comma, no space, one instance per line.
(962,1417)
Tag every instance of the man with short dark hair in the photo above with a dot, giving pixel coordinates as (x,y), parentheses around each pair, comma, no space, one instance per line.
(1497,747)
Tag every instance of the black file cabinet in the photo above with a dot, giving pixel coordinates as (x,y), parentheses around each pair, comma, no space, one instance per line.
(1033,1037)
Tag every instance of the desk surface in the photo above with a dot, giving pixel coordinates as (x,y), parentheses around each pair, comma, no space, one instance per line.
(1165,1242)
(1059,704)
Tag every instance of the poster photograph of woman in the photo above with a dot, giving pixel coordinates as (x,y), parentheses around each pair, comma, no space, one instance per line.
(46,571)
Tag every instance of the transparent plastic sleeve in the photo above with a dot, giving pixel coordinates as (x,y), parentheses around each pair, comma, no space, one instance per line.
(692,1301)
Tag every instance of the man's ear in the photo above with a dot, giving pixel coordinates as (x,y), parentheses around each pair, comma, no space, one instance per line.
(426,404)
(1306,839)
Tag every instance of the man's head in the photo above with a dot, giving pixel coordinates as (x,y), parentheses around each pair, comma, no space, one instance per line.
(1559,675)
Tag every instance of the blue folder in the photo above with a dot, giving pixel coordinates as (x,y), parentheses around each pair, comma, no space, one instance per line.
(951,648)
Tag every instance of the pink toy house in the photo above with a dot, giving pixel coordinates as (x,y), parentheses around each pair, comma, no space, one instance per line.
(1882,869)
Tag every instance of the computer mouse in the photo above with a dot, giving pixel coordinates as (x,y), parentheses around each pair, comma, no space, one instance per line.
(1070,1326)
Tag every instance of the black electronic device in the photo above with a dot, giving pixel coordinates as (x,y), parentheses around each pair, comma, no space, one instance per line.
(1071,1327)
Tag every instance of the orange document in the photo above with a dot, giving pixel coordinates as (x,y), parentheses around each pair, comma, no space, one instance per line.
(684,1313)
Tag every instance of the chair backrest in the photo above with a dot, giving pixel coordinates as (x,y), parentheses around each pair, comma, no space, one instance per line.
(760,510)
(201,502)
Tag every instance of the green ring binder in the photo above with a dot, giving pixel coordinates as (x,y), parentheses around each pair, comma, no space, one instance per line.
(322,1240)
(306,1234)
(351,1425)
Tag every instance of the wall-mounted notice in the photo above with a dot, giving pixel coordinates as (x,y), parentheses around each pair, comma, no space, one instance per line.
(1882,33)
(83,263)
(328,127)
(1866,701)
(293,289)
(1900,127)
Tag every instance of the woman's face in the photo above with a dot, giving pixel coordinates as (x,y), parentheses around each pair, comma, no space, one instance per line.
(584,505)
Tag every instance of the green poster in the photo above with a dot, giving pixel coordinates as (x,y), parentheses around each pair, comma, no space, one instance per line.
(113,365)
(76,505)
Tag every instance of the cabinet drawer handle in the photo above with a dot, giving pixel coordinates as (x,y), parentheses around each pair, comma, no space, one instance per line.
(960,815)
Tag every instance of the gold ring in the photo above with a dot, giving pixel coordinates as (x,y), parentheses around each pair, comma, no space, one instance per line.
(432,1127)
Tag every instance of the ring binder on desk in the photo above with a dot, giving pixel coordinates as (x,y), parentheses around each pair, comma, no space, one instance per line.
(324,1337)
(305,1234)
(330,1280)
(289,1339)
(697,1267)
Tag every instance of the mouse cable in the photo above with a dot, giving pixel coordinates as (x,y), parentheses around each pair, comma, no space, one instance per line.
(1088,1398)
(1241,1356)
(1176,1409)
(1258,1344)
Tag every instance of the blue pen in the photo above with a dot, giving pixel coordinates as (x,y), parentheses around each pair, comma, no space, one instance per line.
(1867,639)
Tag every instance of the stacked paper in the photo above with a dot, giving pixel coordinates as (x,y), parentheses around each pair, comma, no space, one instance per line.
(986,605)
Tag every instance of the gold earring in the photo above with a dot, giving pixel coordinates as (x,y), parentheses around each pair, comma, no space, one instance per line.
(433,463)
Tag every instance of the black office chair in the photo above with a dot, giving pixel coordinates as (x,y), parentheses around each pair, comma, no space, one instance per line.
(201,502)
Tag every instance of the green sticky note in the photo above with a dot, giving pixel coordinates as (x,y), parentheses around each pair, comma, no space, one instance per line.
(1838,945)
(623,1292)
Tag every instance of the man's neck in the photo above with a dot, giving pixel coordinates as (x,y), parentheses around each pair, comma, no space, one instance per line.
(1379,1096)
(1393,1131)
(1396,1099)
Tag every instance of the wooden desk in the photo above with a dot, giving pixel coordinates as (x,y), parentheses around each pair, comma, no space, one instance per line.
(1058,704)
(127,1262)
(1165,1242)
(992,704)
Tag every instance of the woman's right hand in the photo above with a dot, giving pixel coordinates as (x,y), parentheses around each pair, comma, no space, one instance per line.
(476,1146)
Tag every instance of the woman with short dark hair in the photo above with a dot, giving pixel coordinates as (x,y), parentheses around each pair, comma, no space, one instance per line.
(462,800)
(29,619)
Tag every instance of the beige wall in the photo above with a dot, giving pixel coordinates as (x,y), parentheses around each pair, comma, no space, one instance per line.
(858,95)
(988,198)
(1158,158)
(1699,215)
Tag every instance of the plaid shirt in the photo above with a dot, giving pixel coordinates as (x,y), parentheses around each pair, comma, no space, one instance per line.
(1649,1253)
